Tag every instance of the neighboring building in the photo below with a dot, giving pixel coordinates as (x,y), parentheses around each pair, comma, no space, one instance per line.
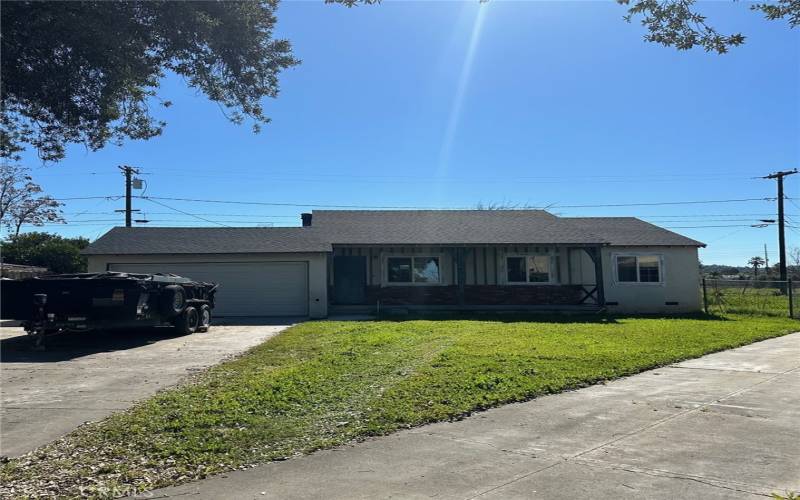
(20,271)
(350,261)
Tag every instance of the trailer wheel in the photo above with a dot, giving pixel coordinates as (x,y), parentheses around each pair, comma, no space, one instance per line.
(205,318)
(187,323)
(172,300)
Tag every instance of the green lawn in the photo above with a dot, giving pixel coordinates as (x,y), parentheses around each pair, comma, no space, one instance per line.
(324,383)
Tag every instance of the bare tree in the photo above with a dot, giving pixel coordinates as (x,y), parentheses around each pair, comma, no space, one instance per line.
(493,205)
(794,256)
(21,201)
(15,185)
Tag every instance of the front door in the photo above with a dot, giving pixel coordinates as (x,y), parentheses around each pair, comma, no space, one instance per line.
(350,279)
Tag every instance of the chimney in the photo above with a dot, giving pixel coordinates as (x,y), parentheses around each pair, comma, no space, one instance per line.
(306,219)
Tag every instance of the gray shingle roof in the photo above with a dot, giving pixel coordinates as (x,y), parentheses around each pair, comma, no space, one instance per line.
(442,227)
(206,240)
(391,227)
(630,231)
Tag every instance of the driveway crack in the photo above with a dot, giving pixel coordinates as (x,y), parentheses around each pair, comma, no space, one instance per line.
(715,482)
(702,407)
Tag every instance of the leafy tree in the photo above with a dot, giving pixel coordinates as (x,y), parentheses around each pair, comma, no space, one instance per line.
(88,72)
(756,262)
(21,201)
(675,23)
(58,254)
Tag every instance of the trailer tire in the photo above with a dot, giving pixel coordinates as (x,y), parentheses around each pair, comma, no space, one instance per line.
(172,300)
(205,318)
(187,323)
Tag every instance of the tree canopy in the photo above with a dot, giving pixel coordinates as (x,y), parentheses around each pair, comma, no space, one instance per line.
(675,23)
(756,262)
(88,72)
(56,253)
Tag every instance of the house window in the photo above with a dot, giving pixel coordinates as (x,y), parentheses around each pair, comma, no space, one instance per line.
(399,270)
(528,269)
(413,270)
(638,268)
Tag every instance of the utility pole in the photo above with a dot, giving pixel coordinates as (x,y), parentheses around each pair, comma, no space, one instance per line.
(766,260)
(781,237)
(128,171)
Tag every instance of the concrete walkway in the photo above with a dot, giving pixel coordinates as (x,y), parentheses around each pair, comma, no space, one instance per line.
(723,426)
(88,376)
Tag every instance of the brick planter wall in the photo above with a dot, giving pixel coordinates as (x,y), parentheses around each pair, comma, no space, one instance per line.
(413,295)
(476,295)
(529,295)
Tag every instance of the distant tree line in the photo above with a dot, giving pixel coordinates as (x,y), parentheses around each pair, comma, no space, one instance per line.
(755,268)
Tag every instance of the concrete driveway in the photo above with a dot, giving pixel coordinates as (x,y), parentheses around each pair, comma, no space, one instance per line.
(86,377)
(723,426)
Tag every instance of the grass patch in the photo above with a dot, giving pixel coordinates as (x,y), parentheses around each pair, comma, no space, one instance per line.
(320,384)
(766,299)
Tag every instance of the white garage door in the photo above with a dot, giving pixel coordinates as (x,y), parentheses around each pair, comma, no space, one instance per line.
(245,288)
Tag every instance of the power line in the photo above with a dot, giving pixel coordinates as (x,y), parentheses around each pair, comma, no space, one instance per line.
(698,227)
(710,220)
(270,216)
(274,216)
(705,215)
(317,205)
(175,220)
(111,198)
(553,206)
(181,211)
(662,203)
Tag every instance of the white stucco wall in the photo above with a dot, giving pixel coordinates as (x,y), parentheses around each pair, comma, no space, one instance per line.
(680,274)
(680,283)
(317,269)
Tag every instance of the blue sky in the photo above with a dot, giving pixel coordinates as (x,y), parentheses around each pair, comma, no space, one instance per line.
(451,104)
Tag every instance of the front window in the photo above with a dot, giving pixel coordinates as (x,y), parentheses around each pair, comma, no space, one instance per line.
(413,270)
(399,270)
(529,269)
(638,268)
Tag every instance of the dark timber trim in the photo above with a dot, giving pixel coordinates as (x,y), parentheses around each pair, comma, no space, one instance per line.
(496,270)
(474,252)
(485,269)
(596,254)
(461,268)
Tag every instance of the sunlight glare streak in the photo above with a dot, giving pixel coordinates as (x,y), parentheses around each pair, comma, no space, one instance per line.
(461,89)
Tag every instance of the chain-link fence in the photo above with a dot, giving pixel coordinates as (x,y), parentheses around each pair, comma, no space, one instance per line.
(762,297)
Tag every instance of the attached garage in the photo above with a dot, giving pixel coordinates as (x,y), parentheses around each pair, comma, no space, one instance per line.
(246,288)
(261,271)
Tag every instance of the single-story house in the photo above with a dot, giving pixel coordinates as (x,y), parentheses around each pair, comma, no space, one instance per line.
(363,260)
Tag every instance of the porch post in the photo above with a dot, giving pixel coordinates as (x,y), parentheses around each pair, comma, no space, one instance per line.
(598,276)
(461,274)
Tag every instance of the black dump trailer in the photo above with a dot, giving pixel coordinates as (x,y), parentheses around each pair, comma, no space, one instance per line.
(106,301)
